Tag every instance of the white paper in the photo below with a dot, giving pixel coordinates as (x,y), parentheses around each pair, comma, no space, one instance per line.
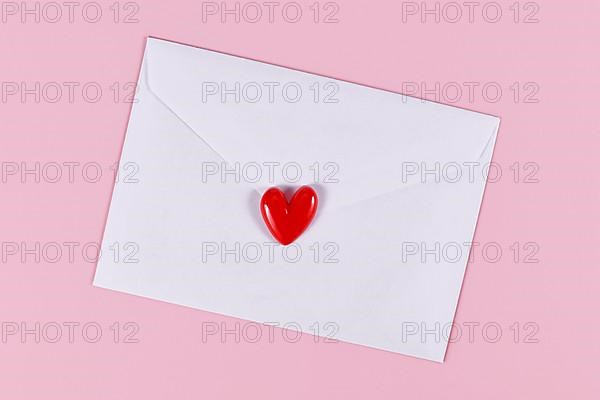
(171,218)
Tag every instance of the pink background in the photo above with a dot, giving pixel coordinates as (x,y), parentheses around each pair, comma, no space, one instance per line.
(372,45)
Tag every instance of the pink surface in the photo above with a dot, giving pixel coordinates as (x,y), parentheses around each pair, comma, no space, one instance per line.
(552,124)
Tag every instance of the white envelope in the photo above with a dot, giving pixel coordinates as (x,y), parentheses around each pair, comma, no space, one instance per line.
(184,224)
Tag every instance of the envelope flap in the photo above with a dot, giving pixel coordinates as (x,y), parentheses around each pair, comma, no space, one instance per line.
(277,126)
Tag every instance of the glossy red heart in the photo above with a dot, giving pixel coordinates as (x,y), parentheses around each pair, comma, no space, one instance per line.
(288,220)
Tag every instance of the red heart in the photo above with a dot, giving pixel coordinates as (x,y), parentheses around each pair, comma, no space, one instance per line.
(287,221)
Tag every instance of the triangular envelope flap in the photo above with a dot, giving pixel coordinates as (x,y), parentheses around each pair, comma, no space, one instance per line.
(357,143)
